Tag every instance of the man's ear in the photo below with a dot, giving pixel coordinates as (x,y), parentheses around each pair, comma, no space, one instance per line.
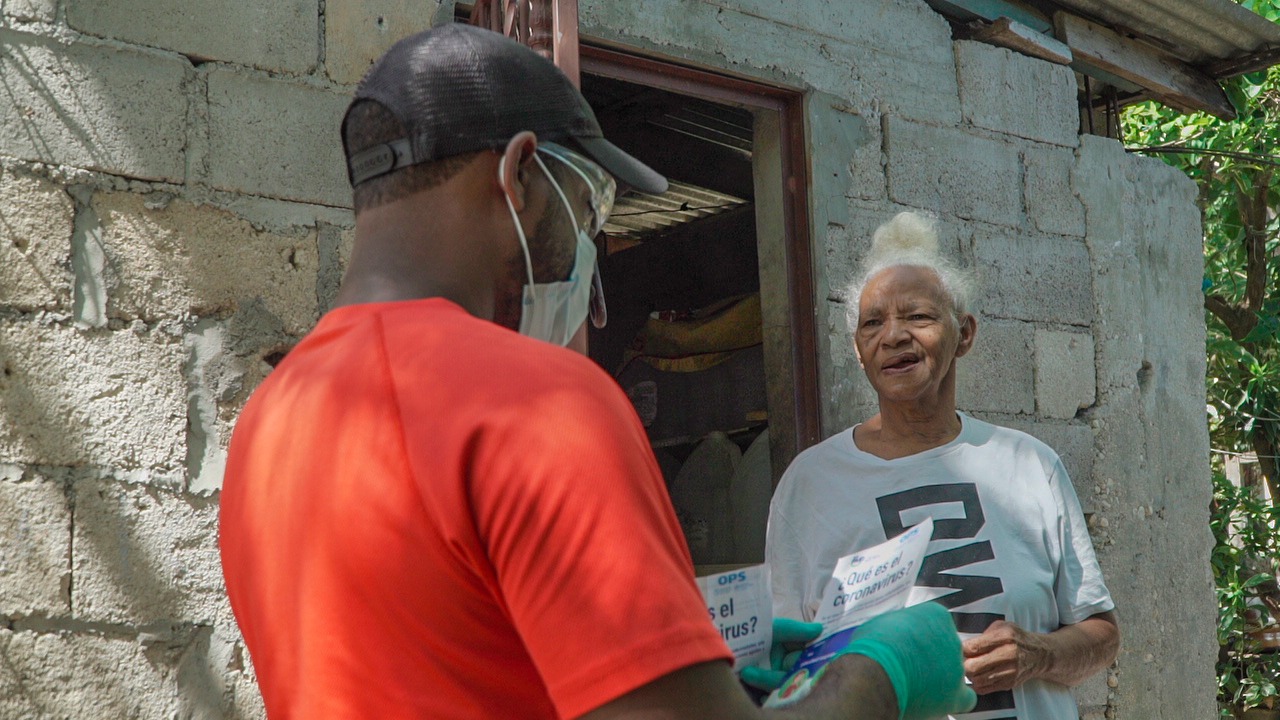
(968,333)
(513,167)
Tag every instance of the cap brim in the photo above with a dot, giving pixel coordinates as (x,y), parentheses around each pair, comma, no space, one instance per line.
(628,170)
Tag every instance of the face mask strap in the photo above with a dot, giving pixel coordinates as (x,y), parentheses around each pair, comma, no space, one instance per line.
(594,190)
(563,198)
(524,244)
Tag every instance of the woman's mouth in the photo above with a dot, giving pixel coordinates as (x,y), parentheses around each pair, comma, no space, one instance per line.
(901,364)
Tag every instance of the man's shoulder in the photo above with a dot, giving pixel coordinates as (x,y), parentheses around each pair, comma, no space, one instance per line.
(446,333)
(452,354)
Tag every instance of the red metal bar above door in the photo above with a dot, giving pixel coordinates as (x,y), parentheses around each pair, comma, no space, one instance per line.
(550,27)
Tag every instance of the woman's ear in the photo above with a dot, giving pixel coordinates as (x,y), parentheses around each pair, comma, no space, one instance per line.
(968,333)
(513,176)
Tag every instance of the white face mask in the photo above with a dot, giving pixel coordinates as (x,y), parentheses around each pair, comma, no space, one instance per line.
(554,311)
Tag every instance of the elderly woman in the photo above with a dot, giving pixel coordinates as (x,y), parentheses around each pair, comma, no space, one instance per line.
(1010,555)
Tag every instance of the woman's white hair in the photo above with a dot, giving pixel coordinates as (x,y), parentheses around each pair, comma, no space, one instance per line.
(911,239)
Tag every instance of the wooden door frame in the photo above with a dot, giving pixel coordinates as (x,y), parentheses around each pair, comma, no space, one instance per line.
(788,104)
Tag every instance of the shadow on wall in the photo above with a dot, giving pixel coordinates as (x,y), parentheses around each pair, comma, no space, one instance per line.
(96,107)
(135,629)
(30,116)
(142,627)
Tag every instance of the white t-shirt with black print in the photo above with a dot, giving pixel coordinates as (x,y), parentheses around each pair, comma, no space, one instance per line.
(1009,539)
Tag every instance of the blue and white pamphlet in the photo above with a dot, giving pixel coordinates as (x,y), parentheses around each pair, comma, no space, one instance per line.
(863,585)
(741,608)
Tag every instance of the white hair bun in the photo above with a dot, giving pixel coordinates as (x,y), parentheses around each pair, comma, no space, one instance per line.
(911,239)
(908,236)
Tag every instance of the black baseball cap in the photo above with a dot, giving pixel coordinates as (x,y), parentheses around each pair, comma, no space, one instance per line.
(457,88)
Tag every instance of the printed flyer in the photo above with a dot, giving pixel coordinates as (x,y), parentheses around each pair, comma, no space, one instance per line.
(863,585)
(741,607)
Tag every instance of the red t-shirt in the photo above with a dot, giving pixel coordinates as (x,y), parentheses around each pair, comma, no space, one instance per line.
(427,515)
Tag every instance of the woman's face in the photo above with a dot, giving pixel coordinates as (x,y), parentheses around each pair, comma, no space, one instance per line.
(907,336)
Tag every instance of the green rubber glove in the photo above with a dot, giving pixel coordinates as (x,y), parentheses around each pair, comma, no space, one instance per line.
(785,632)
(920,652)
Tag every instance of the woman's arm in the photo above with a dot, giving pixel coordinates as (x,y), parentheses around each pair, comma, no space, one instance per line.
(1005,656)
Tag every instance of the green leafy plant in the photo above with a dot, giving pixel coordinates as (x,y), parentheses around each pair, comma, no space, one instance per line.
(1246,531)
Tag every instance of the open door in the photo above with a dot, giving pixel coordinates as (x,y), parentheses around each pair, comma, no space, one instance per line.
(710,291)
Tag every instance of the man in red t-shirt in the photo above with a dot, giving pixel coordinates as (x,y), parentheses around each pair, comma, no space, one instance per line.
(428,515)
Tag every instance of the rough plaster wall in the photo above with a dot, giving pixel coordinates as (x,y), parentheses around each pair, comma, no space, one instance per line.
(173,215)
(1091,334)
(1151,439)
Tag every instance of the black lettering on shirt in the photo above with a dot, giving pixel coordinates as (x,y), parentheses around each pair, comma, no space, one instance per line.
(893,506)
(934,572)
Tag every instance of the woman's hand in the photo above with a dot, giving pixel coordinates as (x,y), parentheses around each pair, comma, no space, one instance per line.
(1005,656)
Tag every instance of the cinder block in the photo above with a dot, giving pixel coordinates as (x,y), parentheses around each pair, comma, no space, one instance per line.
(35,544)
(144,555)
(73,675)
(30,10)
(1168,241)
(902,27)
(1052,205)
(836,269)
(108,109)
(212,374)
(950,171)
(229,663)
(1091,696)
(36,219)
(276,138)
(1041,279)
(113,399)
(357,33)
(1101,176)
(1065,377)
(1011,93)
(225,363)
(178,259)
(278,35)
(846,154)
(997,376)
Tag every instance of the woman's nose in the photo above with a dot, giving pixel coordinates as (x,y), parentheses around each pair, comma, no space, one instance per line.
(895,332)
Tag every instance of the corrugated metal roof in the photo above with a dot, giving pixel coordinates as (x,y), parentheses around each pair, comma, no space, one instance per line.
(657,117)
(636,215)
(1200,32)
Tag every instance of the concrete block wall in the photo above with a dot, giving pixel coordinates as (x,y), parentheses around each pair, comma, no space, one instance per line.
(1090,328)
(174,215)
